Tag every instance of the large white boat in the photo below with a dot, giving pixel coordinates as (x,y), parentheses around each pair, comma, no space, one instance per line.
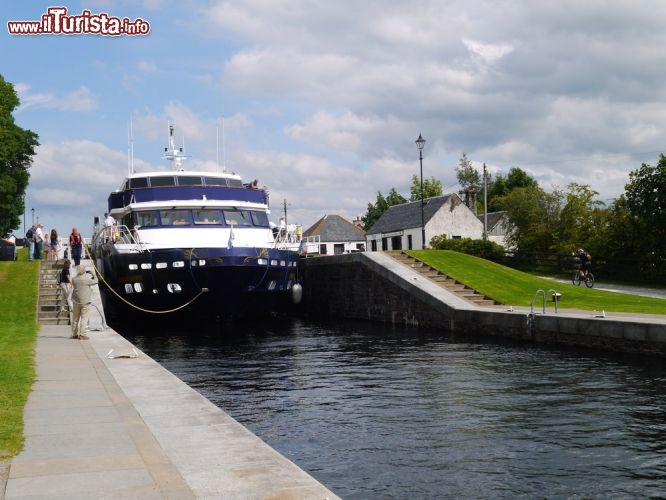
(192,244)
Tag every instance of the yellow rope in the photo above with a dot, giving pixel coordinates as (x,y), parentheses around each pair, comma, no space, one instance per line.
(133,305)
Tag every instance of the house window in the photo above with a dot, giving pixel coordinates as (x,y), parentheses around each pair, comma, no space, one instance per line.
(373,245)
(409,241)
(322,249)
(338,248)
(456,237)
(360,247)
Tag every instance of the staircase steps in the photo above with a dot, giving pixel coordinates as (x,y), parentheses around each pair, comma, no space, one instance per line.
(50,300)
(460,289)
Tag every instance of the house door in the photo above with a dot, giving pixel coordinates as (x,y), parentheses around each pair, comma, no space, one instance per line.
(396,243)
(338,248)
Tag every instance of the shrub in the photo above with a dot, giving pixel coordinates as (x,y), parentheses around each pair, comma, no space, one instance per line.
(485,249)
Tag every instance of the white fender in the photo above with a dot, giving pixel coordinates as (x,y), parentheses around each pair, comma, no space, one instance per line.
(297,293)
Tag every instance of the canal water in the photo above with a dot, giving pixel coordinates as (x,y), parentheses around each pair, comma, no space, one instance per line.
(378,412)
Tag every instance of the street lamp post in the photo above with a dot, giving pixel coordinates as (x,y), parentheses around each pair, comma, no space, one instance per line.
(420,142)
(33,216)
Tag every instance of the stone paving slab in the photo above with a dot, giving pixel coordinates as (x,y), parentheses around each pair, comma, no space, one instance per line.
(82,439)
(127,428)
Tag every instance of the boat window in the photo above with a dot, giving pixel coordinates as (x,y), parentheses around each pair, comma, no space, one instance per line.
(147,218)
(127,220)
(189,180)
(235,183)
(138,182)
(175,217)
(215,181)
(259,218)
(125,185)
(237,218)
(207,216)
(162,181)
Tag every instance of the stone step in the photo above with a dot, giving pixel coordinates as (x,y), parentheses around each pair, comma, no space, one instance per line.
(453,287)
(56,321)
(486,302)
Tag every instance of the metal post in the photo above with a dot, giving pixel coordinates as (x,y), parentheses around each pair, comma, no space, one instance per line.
(485,203)
(422,217)
(33,216)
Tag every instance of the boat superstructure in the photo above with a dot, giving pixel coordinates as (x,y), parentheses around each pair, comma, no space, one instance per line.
(192,243)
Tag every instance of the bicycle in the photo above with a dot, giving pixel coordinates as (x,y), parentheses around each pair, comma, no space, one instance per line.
(588,278)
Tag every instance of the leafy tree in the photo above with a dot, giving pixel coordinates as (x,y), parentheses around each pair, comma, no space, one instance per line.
(646,202)
(431,187)
(380,206)
(17,147)
(578,220)
(468,177)
(502,186)
(533,215)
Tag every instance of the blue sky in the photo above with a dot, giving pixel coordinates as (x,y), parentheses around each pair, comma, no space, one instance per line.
(322,101)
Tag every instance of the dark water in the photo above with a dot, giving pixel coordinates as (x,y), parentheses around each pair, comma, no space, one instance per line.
(375,412)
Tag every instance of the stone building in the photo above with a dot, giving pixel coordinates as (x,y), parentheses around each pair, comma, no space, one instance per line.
(400,226)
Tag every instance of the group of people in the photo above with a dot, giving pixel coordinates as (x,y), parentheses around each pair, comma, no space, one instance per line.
(38,242)
(77,292)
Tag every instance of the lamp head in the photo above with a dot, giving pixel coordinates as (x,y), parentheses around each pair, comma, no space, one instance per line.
(420,142)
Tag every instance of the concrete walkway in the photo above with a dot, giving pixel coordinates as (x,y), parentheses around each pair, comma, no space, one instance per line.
(126,428)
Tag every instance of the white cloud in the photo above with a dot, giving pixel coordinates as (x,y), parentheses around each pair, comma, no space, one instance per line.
(147,67)
(77,100)
(490,53)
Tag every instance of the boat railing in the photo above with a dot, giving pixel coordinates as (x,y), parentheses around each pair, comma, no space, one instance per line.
(288,237)
(119,234)
(310,245)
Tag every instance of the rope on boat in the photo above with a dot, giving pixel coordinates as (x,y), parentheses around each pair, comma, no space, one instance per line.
(201,292)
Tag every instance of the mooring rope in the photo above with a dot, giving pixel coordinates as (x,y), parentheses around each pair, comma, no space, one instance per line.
(201,292)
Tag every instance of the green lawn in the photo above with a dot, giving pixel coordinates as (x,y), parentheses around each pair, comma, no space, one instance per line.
(513,287)
(18,329)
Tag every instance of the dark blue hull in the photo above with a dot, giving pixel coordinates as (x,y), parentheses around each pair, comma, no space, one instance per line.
(194,285)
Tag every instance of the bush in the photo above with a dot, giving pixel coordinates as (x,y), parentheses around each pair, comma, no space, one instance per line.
(485,249)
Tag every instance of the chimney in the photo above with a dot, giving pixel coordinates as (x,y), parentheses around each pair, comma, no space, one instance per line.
(470,199)
(358,222)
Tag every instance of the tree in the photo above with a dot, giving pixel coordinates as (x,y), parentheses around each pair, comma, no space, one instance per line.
(502,186)
(468,177)
(380,206)
(579,219)
(17,147)
(431,187)
(533,215)
(646,202)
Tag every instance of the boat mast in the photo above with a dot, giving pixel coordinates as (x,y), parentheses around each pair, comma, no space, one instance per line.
(172,153)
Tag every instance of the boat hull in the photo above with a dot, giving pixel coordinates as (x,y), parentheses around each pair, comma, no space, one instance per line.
(194,285)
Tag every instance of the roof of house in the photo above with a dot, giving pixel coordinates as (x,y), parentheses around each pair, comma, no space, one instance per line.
(408,215)
(331,228)
(493,218)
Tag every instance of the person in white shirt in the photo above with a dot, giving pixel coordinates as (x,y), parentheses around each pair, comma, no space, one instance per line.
(38,235)
(109,222)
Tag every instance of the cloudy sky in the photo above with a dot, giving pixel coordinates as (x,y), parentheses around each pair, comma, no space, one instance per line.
(322,101)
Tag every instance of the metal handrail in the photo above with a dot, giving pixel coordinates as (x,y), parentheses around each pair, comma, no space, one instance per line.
(550,291)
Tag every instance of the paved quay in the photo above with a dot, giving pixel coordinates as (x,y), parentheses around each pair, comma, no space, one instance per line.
(127,428)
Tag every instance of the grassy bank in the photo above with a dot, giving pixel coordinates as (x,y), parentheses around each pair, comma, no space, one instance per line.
(18,329)
(510,286)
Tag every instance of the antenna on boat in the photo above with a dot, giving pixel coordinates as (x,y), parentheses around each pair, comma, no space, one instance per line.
(217,143)
(224,150)
(131,144)
(172,153)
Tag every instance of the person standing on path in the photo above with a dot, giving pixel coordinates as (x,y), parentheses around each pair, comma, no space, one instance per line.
(76,244)
(38,236)
(82,297)
(66,287)
(30,237)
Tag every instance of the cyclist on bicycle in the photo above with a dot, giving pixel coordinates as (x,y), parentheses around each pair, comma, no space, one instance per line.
(585,262)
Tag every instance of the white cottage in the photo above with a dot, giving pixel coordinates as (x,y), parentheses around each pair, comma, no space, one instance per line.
(400,226)
(336,235)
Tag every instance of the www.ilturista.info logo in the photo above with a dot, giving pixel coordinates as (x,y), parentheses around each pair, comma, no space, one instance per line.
(56,22)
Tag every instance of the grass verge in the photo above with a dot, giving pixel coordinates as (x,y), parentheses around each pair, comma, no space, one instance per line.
(517,288)
(18,330)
